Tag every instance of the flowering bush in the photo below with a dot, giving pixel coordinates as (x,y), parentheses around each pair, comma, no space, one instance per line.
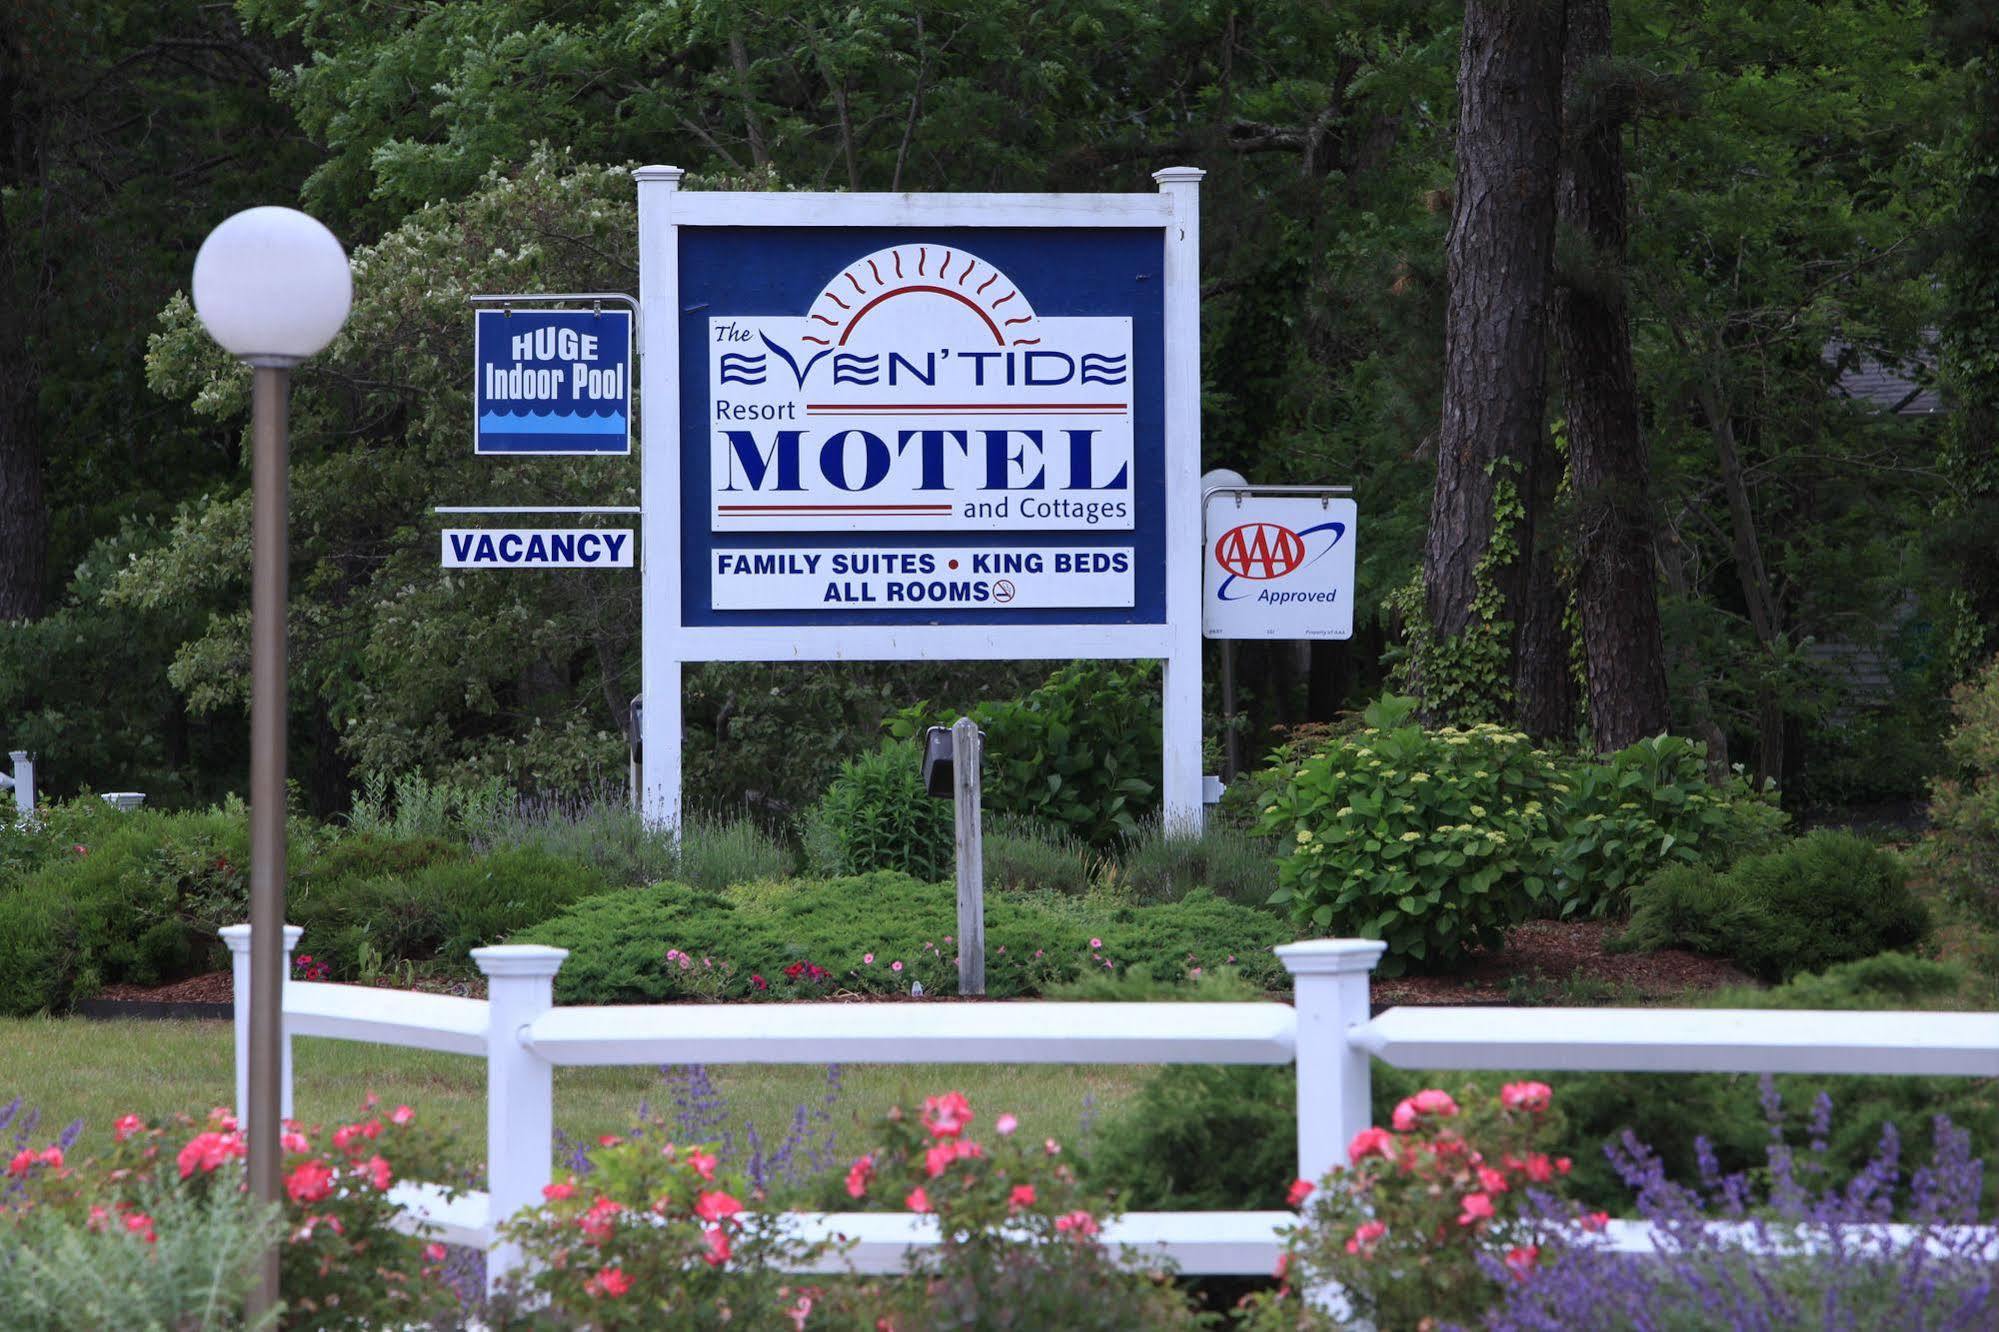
(656,1235)
(1729,1258)
(1020,1237)
(1432,841)
(1422,1209)
(343,1265)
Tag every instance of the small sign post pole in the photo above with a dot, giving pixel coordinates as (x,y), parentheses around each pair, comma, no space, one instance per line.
(967,758)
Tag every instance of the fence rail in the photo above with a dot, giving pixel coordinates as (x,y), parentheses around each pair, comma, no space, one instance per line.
(1326,1031)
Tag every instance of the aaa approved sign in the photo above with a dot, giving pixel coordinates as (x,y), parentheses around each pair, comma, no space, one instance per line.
(1277,566)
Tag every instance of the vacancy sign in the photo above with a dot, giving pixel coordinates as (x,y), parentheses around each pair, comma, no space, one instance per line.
(1278,566)
(553,381)
(536,548)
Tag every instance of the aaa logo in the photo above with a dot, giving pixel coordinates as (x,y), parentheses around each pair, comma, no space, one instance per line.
(1263,551)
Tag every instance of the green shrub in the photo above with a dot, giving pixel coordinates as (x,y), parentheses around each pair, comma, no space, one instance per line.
(1642,808)
(1202,1137)
(1027,855)
(1824,899)
(410,805)
(439,911)
(1432,841)
(138,902)
(858,929)
(1159,865)
(1962,849)
(876,816)
(1082,752)
(606,833)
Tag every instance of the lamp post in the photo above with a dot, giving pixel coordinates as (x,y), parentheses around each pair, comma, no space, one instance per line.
(272,286)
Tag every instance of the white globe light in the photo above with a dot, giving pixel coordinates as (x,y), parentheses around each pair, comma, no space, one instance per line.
(272,284)
(1223,478)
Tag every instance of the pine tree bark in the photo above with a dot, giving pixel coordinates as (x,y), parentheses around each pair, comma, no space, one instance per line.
(1617,598)
(1544,686)
(1500,260)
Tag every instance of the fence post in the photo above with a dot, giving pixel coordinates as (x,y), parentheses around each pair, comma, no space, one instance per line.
(520,1089)
(24,781)
(968,755)
(238,939)
(1329,981)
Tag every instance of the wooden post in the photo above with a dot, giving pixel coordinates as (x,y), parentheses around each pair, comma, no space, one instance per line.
(967,756)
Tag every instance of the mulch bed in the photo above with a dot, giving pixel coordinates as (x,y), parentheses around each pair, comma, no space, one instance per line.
(1543,956)
(1544,961)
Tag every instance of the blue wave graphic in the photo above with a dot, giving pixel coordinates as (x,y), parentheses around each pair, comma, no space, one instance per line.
(739,369)
(1099,369)
(529,423)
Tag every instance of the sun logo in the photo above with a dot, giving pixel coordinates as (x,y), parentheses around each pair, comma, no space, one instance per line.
(928,270)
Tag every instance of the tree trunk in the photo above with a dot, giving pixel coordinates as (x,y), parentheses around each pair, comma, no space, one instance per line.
(1617,598)
(1495,344)
(24,510)
(1544,688)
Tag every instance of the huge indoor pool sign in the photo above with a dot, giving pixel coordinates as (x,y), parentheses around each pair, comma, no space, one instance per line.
(920,427)
(553,381)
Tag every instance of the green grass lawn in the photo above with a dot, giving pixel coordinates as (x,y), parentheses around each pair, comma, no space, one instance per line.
(76,1068)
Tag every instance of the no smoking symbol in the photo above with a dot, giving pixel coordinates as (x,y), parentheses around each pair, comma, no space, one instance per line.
(1003,591)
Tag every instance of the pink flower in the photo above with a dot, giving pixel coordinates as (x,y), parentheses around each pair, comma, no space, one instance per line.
(312,1182)
(1365,1237)
(51,1157)
(1414,1108)
(1520,1260)
(858,1175)
(1005,1125)
(703,1164)
(401,1115)
(1078,1223)
(1096,943)
(1301,1189)
(434,1252)
(799,1312)
(895,966)
(1536,1166)
(557,1192)
(1022,1196)
(948,1115)
(377,1171)
(294,1141)
(938,1158)
(716,1206)
(1052,1147)
(1562,1164)
(717,1241)
(1476,1207)
(125,1127)
(1530,1096)
(1593,1222)
(609,1140)
(868,958)
(138,1223)
(1370,1142)
(597,1222)
(611,1281)
(206,1151)
(918,1200)
(23,1162)
(1492,1181)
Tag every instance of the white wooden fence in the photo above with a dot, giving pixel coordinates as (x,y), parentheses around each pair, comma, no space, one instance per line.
(1326,1032)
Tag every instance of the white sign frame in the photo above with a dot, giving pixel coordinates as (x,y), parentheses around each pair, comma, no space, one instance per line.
(670,644)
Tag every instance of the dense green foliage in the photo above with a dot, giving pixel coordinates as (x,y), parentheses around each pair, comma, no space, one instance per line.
(1963,851)
(619,942)
(1081,752)
(1824,899)
(1436,840)
(876,815)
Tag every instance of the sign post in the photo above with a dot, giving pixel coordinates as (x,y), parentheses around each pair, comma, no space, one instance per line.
(968,756)
(920,427)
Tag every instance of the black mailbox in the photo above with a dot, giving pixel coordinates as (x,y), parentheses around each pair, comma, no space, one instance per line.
(937,770)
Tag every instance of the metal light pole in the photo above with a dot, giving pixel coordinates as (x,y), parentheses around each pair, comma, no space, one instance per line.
(272,286)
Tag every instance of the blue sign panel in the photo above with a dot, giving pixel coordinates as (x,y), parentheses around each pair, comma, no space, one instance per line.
(553,381)
(902,426)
